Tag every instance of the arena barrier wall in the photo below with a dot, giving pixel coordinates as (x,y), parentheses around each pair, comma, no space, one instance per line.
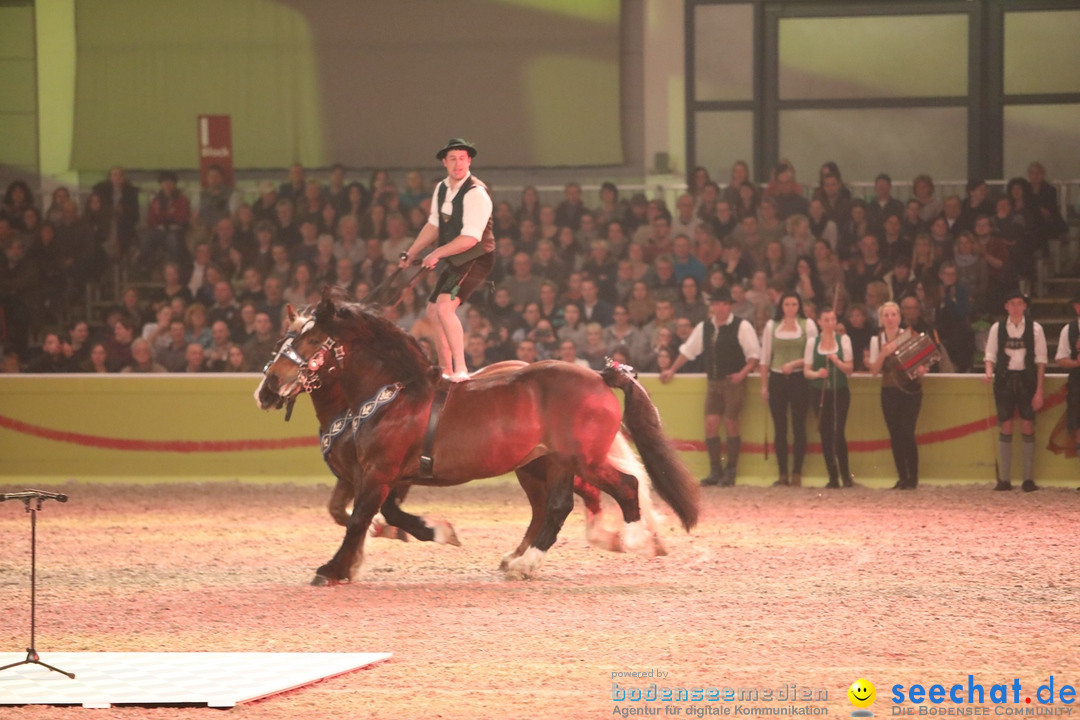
(175,428)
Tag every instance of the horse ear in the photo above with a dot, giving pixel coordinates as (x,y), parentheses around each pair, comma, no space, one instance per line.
(328,292)
(324,311)
(290,312)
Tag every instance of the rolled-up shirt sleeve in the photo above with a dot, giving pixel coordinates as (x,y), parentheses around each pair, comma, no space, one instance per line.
(991,350)
(693,345)
(1040,345)
(748,341)
(476,211)
(433,216)
(1064,352)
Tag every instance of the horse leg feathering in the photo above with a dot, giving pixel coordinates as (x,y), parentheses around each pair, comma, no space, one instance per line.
(641,533)
(596,534)
(420,528)
(533,480)
(560,501)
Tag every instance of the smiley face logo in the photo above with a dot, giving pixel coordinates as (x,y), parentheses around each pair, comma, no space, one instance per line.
(862,693)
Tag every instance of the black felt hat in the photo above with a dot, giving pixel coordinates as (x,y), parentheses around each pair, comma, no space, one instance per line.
(457,144)
(721,294)
(1018,294)
(1075,300)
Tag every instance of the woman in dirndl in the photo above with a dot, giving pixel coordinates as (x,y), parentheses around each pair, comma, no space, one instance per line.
(827,363)
(783,385)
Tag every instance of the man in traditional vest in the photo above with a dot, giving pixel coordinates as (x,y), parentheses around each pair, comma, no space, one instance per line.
(1016,363)
(460,222)
(731,351)
(1068,357)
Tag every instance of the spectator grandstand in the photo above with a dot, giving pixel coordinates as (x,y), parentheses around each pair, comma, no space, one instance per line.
(161,258)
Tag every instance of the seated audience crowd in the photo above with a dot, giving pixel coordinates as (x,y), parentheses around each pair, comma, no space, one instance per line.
(205,284)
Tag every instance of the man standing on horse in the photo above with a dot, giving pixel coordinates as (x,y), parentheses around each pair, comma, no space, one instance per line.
(460,221)
(731,350)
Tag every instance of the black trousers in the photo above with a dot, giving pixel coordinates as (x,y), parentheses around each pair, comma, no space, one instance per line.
(832,421)
(1072,407)
(901,410)
(789,391)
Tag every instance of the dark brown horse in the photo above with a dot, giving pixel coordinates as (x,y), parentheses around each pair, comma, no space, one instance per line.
(547,422)
(322,381)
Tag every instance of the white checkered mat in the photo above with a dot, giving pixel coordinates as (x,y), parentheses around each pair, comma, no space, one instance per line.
(215,679)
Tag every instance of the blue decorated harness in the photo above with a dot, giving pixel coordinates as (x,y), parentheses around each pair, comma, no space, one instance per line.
(353,419)
(349,421)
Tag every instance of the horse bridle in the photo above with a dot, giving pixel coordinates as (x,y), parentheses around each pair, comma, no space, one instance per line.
(308,377)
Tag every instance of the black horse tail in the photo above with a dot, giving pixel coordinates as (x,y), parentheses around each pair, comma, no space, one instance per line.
(667,472)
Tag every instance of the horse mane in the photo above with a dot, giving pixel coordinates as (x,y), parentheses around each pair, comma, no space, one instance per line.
(358,325)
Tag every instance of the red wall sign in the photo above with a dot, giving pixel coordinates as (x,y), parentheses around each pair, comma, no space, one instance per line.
(215,145)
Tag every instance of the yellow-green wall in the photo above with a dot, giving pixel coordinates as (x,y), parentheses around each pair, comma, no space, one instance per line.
(55,25)
(121,428)
(18,111)
(98,411)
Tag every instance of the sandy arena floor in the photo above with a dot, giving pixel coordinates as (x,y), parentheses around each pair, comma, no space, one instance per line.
(775,587)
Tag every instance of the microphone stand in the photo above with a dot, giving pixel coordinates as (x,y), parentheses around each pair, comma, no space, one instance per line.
(33,500)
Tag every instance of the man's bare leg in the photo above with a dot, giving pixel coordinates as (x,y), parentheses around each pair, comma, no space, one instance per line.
(442,347)
(454,336)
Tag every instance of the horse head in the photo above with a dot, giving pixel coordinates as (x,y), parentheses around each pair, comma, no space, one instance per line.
(298,363)
(378,351)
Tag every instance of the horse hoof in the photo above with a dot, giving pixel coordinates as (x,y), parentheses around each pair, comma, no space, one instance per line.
(658,547)
(389,532)
(323,581)
(605,540)
(327,576)
(525,565)
(445,535)
(508,558)
(637,540)
(515,575)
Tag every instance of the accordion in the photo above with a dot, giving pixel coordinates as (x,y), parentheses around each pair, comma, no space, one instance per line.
(915,352)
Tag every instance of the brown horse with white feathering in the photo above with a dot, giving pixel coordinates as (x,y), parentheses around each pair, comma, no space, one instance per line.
(547,421)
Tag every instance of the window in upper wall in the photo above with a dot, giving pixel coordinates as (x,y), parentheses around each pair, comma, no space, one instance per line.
(871,57)
(721,138)
(1042,52)
(723,52)
(902,142)
(1041,132)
